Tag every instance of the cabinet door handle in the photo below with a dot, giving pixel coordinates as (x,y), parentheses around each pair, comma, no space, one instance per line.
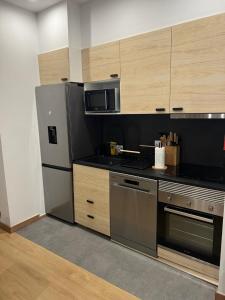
(178,109)
(64,79)
(90,216)
(114,75)
(90,201)
(160,109)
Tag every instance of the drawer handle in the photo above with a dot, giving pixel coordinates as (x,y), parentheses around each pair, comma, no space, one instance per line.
(114,75)
(178,109)
(64,79)
(160,109)
(90,201)
(90,216)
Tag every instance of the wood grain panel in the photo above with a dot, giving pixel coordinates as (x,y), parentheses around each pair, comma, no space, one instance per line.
(145,72)
(219,297)
(198,66)
(92,184)
(202,268)
(53,66)
(99,62)
(28,271)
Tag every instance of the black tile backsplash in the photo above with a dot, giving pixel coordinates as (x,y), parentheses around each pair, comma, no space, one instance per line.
(201,140)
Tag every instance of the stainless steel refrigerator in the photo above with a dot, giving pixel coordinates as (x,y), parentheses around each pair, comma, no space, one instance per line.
(65,135)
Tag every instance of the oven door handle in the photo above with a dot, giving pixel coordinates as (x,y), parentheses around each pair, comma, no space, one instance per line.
(184,214)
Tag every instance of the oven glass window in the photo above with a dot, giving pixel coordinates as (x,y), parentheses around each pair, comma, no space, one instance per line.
(193,235)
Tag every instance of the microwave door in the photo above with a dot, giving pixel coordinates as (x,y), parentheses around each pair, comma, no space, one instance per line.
(96,101)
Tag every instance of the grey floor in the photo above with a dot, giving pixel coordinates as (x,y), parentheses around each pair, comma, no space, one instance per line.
(131,271)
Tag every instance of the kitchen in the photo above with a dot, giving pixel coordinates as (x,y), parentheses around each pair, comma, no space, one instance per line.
(161,81)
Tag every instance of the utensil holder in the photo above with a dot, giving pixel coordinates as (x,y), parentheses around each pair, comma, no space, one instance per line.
(172,155)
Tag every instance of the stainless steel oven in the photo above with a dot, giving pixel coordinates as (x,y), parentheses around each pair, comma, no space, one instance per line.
(190,220)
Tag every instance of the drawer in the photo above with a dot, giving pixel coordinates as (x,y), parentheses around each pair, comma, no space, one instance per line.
(92,220)
(99,206)
(91,197)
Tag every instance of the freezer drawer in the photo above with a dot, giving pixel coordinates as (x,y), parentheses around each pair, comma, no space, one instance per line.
(133,210)
(58,191)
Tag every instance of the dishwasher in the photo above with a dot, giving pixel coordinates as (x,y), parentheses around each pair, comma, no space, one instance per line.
(133,212)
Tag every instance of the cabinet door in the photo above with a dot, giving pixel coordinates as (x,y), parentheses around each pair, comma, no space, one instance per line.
(54,66)
(198,66)
(101,62)
(91,195)
(145,72)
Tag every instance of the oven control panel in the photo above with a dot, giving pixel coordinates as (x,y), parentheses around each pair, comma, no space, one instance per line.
(192,197)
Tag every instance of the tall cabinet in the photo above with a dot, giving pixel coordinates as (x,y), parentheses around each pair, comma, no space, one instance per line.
(198,66)
(145,72)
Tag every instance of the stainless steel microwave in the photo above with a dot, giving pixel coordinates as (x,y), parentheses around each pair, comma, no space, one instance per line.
(102,101)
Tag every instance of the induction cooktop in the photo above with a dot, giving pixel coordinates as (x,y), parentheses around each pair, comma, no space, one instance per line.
(198,172)
(138,163)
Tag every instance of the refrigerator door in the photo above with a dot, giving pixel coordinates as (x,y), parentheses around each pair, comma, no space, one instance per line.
(58,189)
(53,125)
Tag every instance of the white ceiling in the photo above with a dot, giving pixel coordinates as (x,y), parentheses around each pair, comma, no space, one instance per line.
(37,5)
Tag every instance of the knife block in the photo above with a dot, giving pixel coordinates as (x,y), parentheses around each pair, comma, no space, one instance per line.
(172,155)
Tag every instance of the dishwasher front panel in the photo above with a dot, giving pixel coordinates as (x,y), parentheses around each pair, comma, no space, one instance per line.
(133,210)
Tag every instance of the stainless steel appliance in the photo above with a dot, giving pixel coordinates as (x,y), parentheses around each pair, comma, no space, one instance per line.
(133,212)
(105,100)
(190,220)
(64,137)
(102,97)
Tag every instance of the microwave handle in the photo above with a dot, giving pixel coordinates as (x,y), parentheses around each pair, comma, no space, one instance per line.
(184,214)
(106,101)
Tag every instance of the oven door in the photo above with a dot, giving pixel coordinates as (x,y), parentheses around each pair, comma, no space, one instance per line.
(193,233)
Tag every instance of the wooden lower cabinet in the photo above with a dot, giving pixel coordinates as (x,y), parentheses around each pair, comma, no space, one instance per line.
(197,268)
(91,198)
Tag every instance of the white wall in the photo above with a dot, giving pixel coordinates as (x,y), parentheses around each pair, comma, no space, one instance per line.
(103,21)
(4,208)
(53,27)
(18,120)
(74,35)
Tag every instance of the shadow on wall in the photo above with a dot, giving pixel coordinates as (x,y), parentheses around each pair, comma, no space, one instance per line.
(4,209)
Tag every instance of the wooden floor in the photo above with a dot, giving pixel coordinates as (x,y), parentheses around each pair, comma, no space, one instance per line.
(30,272)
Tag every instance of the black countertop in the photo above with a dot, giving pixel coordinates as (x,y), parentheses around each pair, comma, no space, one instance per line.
(171,174)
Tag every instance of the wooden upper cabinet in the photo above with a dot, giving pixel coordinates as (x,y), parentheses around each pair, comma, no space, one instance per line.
(54,66)
(145,72)
(198,66)
(101,62)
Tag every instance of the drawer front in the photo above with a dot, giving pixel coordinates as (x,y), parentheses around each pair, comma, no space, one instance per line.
(92,220)
(91,192)
(98,207)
